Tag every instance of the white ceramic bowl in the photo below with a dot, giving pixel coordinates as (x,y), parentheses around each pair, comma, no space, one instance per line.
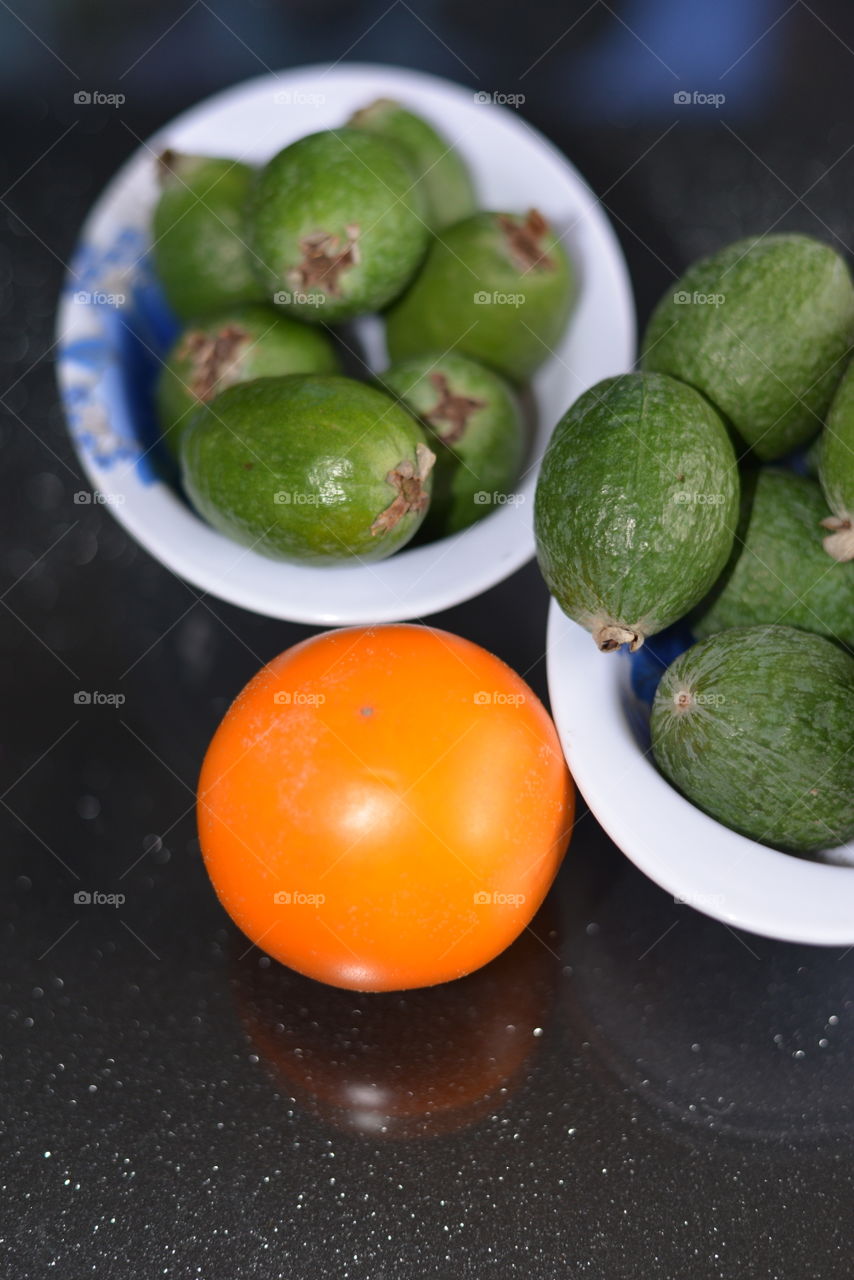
(105,372)
(602,725)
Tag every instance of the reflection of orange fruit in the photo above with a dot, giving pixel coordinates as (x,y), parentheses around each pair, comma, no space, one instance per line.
(384,807)
(354,1061)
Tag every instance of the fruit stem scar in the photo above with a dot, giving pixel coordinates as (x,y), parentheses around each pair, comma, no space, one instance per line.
(212,359)
(524,239)
(410,493)
(453,409)
(175,164)
(839,543)
(683,700)
(325,258)
(610,637)
(166,164)
(368,112)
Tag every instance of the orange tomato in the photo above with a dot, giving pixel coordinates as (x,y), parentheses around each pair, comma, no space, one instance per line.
(384,807)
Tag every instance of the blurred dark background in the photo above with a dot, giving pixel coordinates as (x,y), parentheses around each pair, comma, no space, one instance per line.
(641,1091)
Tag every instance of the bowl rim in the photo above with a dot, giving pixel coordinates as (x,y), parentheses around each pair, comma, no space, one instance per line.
(163,524)
(738,881)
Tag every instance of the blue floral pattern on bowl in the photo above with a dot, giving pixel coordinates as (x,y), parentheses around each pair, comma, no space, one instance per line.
(121,328)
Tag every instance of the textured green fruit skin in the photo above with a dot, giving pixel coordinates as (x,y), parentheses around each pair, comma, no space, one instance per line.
(326,183)
(812,457)
(441,311)
(199,249)
(273,344)
(779,570)
(326,442)
(636,504)
(439,171)
(770,355)
(766,745)
(473,472)
(836,451)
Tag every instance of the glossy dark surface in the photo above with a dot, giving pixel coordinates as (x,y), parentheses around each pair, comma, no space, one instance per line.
(636,1091)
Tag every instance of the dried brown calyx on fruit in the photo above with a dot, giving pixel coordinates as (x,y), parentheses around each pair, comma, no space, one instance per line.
(408,481)
(214,359)
(612,636)
(326,257)
(366,114)
(176,166)
(524,241)
(839,543)
(450,409)
(166,164)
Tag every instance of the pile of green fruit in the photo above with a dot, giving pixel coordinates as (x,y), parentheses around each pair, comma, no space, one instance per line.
(277,448)
(655,504)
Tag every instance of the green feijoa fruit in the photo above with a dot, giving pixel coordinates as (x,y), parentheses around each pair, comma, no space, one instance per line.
(336,225)
(778,570)
(438,169)
(762,328)
(836,470)
(496,286)
(236,346)
(199,248)
(812,457)
(313,468)
(756,727)
(636,506)
(474,426)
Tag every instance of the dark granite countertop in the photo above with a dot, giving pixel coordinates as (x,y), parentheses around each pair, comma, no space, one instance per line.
(637,1091)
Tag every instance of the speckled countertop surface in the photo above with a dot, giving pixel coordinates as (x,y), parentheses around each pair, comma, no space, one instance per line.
(636,1091)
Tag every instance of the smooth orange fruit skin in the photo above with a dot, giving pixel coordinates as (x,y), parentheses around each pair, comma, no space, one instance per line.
(384,807)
